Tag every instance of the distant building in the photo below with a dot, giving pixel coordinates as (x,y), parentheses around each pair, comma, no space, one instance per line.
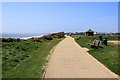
(90,32)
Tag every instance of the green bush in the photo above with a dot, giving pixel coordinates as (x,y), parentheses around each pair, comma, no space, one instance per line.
(58,35)
(7,39)
(34,39)
(10,39)
(48,37)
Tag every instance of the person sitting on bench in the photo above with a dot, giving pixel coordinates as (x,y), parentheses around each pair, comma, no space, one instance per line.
(95,44)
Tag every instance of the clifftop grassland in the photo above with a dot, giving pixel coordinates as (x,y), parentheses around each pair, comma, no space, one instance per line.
(25,58)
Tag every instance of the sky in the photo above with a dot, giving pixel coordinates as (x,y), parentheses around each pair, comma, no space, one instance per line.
(59,0)
(48,17)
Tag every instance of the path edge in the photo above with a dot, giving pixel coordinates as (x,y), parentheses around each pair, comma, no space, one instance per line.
(47,62)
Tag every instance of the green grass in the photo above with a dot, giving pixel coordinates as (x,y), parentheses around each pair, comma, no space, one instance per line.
(25,59)
(113,37)
(107,55)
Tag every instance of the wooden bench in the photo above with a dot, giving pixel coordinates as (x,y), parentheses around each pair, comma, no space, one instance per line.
(94,44)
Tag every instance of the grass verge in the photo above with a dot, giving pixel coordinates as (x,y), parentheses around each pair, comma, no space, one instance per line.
(25,59)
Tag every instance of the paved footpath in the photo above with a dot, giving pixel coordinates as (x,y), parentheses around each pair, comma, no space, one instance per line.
(69,60)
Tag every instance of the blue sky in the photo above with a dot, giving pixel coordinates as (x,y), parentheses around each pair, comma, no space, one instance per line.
(47,17)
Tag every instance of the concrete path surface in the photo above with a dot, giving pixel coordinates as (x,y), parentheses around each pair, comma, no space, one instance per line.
(69,60)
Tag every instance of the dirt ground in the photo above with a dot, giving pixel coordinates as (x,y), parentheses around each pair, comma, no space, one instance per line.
(114,42)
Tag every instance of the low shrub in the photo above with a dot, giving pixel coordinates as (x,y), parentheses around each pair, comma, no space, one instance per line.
(48,37)
(34,39)
(7,39)
(10,39)
(54,35)
(58,35)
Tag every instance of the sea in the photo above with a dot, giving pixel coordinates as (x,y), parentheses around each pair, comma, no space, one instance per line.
(22,35)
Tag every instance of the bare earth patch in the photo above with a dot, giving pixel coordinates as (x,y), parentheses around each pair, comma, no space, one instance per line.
(47,43)
(114,42)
